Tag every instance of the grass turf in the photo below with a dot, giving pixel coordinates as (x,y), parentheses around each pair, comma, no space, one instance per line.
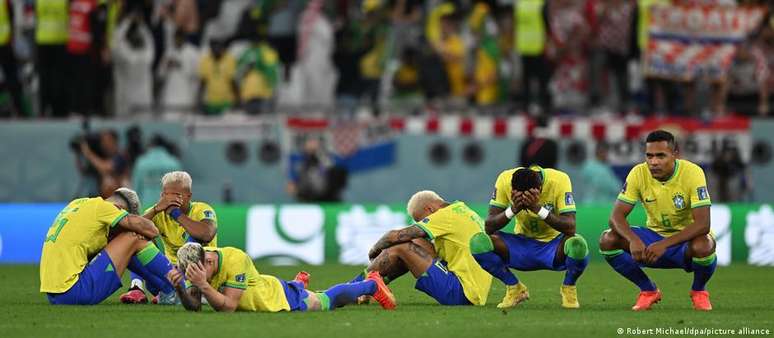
(740,296)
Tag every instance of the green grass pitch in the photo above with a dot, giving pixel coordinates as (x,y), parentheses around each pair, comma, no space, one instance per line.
(741,296)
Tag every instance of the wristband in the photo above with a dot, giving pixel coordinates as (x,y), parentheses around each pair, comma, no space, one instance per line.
(509,213)
(175,213)
(543,213)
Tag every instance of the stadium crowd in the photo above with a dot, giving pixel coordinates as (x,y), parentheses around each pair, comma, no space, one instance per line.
(121,57)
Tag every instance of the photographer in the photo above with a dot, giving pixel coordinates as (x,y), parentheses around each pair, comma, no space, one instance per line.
(315,176)
(111,166)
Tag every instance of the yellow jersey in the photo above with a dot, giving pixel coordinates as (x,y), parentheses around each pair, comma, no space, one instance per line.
(668,204)
(451,229)
(173,235)
(236,270)
(555,195)
(78,233)
(455,69)
(218,76)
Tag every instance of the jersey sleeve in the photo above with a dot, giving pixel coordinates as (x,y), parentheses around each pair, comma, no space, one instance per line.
(236,275)
(109,214)
(500,193)
(630,192)
(696,183)
(433,226)
(205,212)
(565,201)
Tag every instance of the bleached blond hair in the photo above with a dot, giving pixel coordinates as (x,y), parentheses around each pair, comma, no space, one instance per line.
(419,200)
(181,177)
(189,253)
(128,197)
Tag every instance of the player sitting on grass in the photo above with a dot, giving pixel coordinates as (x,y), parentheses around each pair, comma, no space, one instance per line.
(179,220)
(544,239)
(677,233)
(231,270)
(90,244)
(451,278)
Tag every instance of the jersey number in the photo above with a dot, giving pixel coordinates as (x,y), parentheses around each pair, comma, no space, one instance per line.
(59,223)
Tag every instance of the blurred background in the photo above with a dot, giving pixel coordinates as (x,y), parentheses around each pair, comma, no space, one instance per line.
(308,123)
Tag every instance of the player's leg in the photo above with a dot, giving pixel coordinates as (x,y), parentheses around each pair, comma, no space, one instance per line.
(415,256)
(701,250)
(515,252)
(491,253)
(142,257)
(615,249)
(573,252)
(136,292)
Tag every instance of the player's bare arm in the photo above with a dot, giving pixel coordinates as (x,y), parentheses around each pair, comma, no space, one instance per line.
(564,223)
(191,298)
(203,230)
(699,227)
(166,201)
(140,225)
(497,219)
(394,237)
(222,302)
(620,226)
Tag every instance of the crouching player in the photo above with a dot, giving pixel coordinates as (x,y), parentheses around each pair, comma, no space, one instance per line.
(208,270)
(677,232)
(90,244)
(545,239)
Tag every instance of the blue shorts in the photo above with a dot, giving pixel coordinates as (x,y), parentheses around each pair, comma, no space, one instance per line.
(95,283)
(528,254)
(441,284)
(674,256)
(296,295)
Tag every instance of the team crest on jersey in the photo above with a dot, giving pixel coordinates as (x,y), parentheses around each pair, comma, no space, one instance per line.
(702,193)
(568,199)
(425,220)
(240,278)
(679,201)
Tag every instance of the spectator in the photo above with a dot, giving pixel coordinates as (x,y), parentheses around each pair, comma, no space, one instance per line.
(110,163)
(314,72)
(600,185)
(730,176)
(85,45)
(282,31)
(531,17)
(258,72)
(406,78)
(451,48)
(51,21)
(613,45)
(178,74)
(372,63)
(746,87)
(151,166)
(567,49)
(314,175)
(484,87)
(539,148)
(8,58)
(132,60)
(218,89)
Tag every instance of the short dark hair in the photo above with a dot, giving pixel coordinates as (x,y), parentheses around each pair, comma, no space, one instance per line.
(662,136)
(524,179)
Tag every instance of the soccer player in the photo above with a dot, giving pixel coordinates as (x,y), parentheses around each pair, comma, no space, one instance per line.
(677,233)
(179,220)
(452,277)
(229,281)
(90,244)
(541,200)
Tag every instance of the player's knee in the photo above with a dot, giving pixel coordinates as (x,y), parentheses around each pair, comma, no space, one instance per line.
(576,247)
(607,240)
(480,243)
(702,246)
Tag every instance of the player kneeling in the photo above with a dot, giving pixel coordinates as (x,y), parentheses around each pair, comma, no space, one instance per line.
(231,270)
